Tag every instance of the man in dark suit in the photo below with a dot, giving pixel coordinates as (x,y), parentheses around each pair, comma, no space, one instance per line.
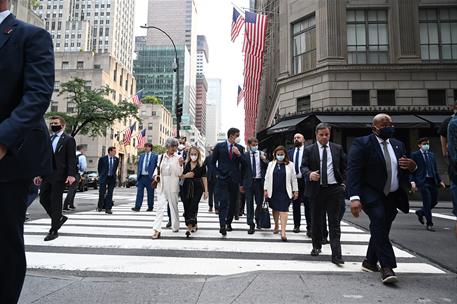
(65,170)
(107,168)
(211,176)
(253,172)
(324,167)
(227,163)
(26,85)
(427,179)
(378,182)
(146,166)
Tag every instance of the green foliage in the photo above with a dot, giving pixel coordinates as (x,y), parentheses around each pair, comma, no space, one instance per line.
(151,100)
(158,149)
(93,113)
(34,4)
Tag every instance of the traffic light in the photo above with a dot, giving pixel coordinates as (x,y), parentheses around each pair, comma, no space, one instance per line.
(179,110)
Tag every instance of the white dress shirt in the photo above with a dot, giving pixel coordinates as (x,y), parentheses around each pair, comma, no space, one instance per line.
(144,170)
(56,140)
(330,174)
(3,15)
(257,164)
(299,160)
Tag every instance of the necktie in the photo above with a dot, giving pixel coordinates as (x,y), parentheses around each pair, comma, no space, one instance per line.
(324,177)
(146,163)
(428,166)
(254,166)
(297,154)
(388,167)
(230,153)
(53,137)
(110,170)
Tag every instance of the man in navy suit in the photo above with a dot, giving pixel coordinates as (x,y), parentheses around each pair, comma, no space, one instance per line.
(146,166)
(253,171)
(427,179)
(227,163)
(26,85)
(107,168)
(378,182)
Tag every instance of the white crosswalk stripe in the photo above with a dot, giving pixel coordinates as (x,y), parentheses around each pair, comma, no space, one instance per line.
(92,241)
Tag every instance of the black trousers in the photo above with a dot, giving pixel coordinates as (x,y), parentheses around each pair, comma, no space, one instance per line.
(327,201)
(13,196)
(211,198)
(296,206)
(191,201)
(254,193)
(51,196)
(105,193)
(72,189)
(242,203)
(227,193)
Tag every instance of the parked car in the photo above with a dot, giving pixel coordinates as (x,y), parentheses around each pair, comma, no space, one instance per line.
(131,180)
(91,179)
(82,185)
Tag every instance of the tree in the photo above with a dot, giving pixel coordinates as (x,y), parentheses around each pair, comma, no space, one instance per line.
(93,113)
(151,100)
(158,149)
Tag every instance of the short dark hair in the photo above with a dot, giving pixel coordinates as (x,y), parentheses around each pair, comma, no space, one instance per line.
(80,147)
(252,139)
(60,118)
(111,149)
(422,139)
(232,131)
(323,125)
(148,145)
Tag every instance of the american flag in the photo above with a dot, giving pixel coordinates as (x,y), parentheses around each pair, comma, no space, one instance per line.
(141,139)
(128,134)
(237,24)
(254,36)
(136,99)
(240,95)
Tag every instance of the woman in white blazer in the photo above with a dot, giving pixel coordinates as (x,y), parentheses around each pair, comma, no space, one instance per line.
(167,175)
(280,187)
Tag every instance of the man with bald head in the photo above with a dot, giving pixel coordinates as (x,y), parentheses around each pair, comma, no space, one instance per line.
(378,182)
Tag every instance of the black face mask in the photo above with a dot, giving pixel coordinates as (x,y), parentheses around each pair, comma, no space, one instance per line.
(297,143)
(56,129)
(386,133)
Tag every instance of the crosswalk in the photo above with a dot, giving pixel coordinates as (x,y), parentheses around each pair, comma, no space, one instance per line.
(121,243)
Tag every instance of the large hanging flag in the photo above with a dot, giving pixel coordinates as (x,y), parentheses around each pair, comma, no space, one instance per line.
(136,99)
(128,134)
(141,138)
(254,37)
(237,24)
(240,95)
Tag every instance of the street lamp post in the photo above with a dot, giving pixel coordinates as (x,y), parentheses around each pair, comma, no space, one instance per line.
(178,106)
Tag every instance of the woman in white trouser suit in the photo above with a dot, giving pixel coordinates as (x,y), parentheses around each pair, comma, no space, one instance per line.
(169,170)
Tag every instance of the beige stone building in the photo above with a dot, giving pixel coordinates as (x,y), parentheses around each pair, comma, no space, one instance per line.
(157,121)
(98,70)
(23,11)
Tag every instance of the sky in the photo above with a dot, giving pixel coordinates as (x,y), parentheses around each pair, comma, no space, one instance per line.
(225,58)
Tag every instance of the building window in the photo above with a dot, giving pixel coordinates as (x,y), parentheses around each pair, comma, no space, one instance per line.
(304,45)
(150,126)
(56,86)
(438,33)
(54,106)
(80,65)
(303,104)
(65,64)
(360,98)
(367,39)
(437,97)
(386,97)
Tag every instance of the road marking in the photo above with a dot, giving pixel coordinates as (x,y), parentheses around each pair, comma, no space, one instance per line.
(439,215)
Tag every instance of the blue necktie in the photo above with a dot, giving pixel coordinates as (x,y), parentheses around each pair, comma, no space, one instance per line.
(297,154)
(146,163)
(254,166)
(53,137)
(428,166)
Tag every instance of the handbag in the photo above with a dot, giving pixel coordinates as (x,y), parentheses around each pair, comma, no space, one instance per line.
(264,216)
(155,183)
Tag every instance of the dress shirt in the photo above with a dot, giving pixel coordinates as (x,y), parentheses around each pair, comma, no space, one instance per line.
(56,140)
(82,162)
(144,170)
(300,158)
(228,147)
(3,15)
(330,174)
(257,163)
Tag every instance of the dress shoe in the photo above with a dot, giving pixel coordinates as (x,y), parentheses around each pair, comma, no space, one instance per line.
(223,231)
(108,211)
(367,267)
(337,260)
(65,209)
(229,227)
(296,229)
(155,234)
(388,275)
(52,235)
(216,211)
(136,209)
(308,234)
(149,210)
(99,209)
(237,217)
(420,216)
(168,225)
(72,207)
(283,238)
(315,252)
(429,227)
(188,234)
(62,221)
(324,241)
(251,229)
(210,209)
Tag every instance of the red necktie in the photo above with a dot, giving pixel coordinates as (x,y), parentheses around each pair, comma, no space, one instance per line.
(230,153)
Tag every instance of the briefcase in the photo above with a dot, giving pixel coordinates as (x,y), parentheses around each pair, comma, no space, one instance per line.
(264,216)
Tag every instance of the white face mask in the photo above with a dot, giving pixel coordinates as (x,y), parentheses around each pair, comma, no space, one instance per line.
(193,157)
(181,147)
(238,140)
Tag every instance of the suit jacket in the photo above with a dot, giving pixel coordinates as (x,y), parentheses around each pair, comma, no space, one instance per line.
(224,167)
(103,167)
(247,169)
(151,166)
(26,85)
(367,173)
(291,179)
(64,159)
(419,176)
(171,182)
(311,162)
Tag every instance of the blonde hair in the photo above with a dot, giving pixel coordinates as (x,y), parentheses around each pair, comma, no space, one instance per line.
(199,155)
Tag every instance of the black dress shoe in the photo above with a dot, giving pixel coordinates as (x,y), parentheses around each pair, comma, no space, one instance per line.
(337,261)
(136,209)
(108,211)
(223,231)
(99,209)
(388,275)
(65,209)
(72,207)
(429,227)
(168,225)
(229,227)
(62,221)
(149,210)
(367,267)
(308,234)
(315,252)
(52,235)
(420,216)
(296,229)
(237,217)
(251,229)
(325,241)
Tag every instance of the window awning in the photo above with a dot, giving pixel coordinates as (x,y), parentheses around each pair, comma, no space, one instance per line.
(365,121)
(434,119)
(286,125)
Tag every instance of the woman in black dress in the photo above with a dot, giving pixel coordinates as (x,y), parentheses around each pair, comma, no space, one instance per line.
(280,188)
(194,186)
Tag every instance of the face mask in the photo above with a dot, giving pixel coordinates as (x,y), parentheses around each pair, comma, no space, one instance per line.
(193,157)
(254,149)
(297,143)
(238,140)
(386,133)
(181,147)
(280,157)
(56,129)
(425,147)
